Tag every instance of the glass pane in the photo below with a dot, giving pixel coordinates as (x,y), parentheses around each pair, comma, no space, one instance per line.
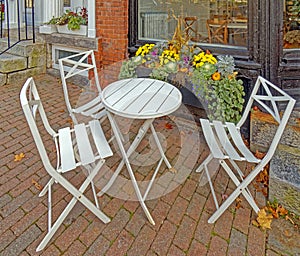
(291,29)
(67,3)
(210,21)
(29,3)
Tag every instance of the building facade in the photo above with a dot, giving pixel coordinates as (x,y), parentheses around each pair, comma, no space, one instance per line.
(259,33)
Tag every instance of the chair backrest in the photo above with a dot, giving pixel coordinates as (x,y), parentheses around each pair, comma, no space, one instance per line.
(83,63)
(66,140)
(225,140)
(217,31)
(31,105)
(191,28)
(274,101)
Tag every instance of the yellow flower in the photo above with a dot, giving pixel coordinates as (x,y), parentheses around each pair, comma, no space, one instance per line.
(233,75)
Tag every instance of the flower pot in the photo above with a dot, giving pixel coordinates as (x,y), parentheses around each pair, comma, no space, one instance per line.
(64,30)
(47,29)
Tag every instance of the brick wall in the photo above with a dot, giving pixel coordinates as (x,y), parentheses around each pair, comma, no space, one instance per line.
(112,29)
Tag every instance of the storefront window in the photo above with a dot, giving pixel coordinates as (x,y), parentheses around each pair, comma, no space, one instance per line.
(291,29)
(204,21)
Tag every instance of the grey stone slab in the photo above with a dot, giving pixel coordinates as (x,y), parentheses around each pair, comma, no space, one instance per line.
(10,63)
(284,238)
(3,78)
(19,77)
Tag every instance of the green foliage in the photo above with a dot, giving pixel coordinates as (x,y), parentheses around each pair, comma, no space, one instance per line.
(162,72)
(223,99)
(128,68)
(73,19)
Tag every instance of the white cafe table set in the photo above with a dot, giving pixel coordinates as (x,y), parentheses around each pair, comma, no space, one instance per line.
(144,99)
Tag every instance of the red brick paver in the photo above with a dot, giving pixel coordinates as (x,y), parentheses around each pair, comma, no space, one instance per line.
(180,212)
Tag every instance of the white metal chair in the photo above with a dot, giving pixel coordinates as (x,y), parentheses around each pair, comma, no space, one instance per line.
(226,143)
(81,64)
(83,146)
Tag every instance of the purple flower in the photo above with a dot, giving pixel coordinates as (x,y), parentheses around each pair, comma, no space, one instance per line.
(154,53)
(186,60)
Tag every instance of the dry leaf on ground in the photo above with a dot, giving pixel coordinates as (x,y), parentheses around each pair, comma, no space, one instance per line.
(36,184)
(263,220)
(168,126)
(19,157)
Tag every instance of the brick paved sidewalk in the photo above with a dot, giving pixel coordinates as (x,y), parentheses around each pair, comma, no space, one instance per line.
(179,204)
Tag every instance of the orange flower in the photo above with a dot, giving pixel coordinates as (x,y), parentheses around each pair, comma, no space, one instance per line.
(216,76)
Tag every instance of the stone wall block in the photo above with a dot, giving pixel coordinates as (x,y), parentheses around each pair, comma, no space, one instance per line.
(37,57)
(284,178)
(21,76)
(3,78)
(10,63)
(263,128)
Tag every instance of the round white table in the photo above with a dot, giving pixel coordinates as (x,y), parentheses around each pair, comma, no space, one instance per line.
(139,98)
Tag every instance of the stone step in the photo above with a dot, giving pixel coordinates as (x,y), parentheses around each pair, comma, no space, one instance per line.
(11,63)
(15,33)
(23,48)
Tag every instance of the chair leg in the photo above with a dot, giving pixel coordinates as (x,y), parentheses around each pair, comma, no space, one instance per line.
(241,189)
(77,196)
(204,163)
(211,187)
(45,189)
(245,191)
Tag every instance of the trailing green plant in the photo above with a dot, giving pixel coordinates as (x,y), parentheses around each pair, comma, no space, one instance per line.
(73,19)
(219,90)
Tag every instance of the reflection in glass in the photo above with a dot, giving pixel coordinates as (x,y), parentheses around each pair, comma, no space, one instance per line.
(157,20)
(291,29)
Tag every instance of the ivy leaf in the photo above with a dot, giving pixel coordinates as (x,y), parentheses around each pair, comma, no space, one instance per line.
(19,157)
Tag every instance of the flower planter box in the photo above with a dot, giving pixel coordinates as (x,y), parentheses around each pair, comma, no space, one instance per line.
(47,29)
(188,97)
(64,30)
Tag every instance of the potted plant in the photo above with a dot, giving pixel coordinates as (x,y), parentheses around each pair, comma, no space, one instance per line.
(292,39)
(211,79)
(71,22)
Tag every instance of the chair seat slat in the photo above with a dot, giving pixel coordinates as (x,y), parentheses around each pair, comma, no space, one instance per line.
(211,140)
(88,105)
(66,150)
(100,139)
(238,141)
(224,140)
(96,108)
(84,147)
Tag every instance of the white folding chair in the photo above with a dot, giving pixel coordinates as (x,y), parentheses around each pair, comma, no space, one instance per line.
(82,64)
(83,146)
(226,143)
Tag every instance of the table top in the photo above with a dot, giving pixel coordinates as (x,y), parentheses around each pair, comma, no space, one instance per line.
(141,98)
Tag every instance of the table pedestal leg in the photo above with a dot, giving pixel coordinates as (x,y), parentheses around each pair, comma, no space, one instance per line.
(125,155)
